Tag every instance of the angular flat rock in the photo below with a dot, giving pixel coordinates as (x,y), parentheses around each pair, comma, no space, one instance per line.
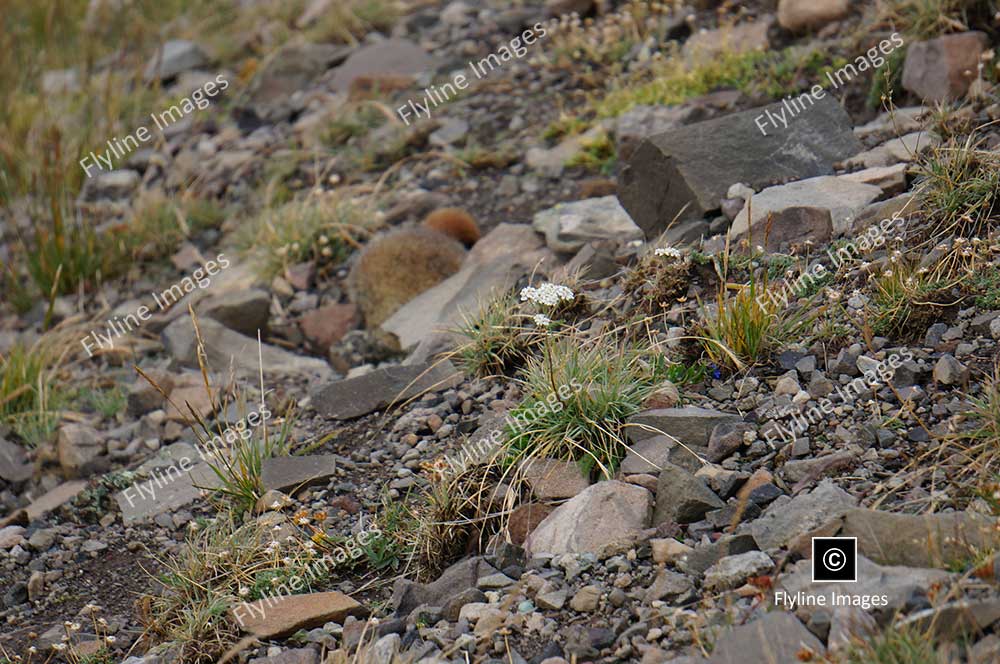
(290,473)
(918,540)
(690,425)
(815,209)
(569,226)
(507,253)
(14,466)
(176,56)
(786,520)
(648,456)
(903,586)
(45,503)
(224,347)
(681,497)
(612,515)
(942,69)
(280,616)
(378,389)
(551,479)
(168,489)
(463,575)
(389,56)
(777,638)
(695,165)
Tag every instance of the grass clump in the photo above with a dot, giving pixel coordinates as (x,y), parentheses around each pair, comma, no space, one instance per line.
(926,19)
(895,645)
(29,395)
(596,154)
(577,398)
(159,225)
(321,228)
(660,276)
(959,190)
(749,320)
(496,339)
(906,298)
(221,564)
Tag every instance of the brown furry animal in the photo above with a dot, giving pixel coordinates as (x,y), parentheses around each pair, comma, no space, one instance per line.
(454,222)
(395,268)
(398,266)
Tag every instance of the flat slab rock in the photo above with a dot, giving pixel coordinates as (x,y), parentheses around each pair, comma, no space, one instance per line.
(167,491)
(290,473)
(378,389)
(281,616)
(777,638)
(786,520)
(690,425)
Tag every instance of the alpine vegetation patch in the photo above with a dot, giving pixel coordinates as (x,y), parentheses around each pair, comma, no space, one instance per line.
(350,550)
(120,326)
(435,96)
(793,106)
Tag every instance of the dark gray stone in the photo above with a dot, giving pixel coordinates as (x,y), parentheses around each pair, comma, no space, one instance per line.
(695,165)
(354,397)
(681,497)
(707,555)
(408,595)
(243,311)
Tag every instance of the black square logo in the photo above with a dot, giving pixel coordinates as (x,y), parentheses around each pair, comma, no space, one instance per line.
(835,559)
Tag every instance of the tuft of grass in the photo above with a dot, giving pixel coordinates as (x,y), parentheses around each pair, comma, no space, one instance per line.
(109,402)
(222,563)
(29,392)
(959,190)
(926,19)
(986,285)
(887,81)
(657,280)
(749,320)
(321,228)
(159,225)
(907,298)
(577,398)
(895,645)
(497,342)
(352,123)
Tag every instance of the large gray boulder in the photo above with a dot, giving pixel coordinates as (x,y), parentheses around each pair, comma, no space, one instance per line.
(681,497)
(695,165)
(786,520)
(569,226)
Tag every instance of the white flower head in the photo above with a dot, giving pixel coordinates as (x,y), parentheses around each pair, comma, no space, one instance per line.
(541,320)
(548,294)
(244,591)
(110,639)
(668,252)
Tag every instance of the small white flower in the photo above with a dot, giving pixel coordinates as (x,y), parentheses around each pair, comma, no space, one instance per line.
(834,295)
(548,294)
(244,591)
(303,520)
(59,646)
(286,560)
(668,252)
(110,639)
(887,273)
(276,505)
(541,320)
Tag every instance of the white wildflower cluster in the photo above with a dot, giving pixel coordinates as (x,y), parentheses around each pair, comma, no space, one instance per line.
(541,320)
(548,294)
(668,252)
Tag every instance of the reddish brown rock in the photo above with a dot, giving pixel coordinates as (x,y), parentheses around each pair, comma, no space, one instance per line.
(942,69)
(328,324)
(279,616)
(525,519)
